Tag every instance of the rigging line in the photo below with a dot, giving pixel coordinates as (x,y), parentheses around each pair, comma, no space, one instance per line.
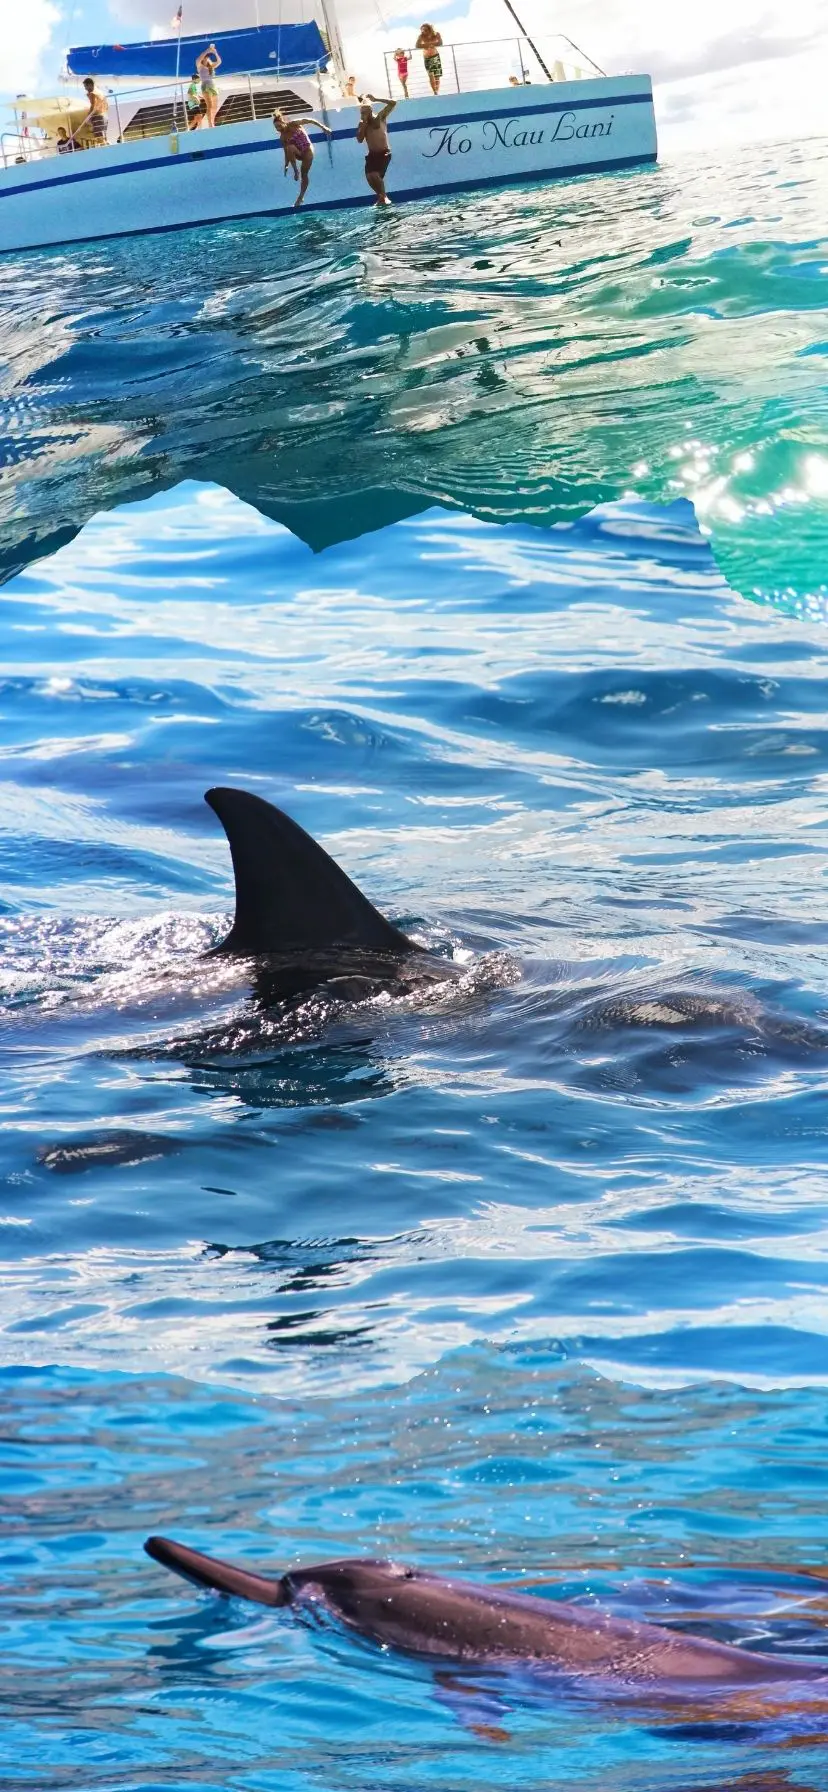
(381,15)
(324,110)
(524,33)
(322,103)
(574,46)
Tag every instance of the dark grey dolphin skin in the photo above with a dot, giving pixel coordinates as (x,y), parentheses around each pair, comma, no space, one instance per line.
(300,915)
(308,927)
(459,1622)
(123,1145)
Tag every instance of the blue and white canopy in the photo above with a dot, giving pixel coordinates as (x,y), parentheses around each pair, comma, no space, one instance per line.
(260,50)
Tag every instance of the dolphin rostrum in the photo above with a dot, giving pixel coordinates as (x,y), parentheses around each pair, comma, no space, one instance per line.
(300,915)
(460,1623)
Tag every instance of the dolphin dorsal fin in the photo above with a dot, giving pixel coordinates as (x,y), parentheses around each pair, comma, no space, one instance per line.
(290,895)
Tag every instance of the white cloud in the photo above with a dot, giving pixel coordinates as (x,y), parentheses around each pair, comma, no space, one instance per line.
(27,32)
(744,69)
(780,100)
(152,18)
(723,69)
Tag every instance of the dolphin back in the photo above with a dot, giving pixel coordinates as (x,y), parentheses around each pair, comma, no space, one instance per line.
(223,1577)
(290,894)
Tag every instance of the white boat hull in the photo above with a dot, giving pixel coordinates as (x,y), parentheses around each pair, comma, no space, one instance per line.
(506,135)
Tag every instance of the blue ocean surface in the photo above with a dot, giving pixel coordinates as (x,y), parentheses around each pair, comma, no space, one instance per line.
(523,1275)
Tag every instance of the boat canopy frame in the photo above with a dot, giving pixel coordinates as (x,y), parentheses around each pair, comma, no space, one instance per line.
(254,50)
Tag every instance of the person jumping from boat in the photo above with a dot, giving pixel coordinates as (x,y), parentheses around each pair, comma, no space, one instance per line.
(431,43)
(298,147)
(206,65)
(372,131)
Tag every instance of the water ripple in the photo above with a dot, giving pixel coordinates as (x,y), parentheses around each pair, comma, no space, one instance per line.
(574,761)
(527,354)
(527,1277)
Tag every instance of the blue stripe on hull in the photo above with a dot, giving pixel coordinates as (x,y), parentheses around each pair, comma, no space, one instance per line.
(570,105)
(73,175)
(518,179)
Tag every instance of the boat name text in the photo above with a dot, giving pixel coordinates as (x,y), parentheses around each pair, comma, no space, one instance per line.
(511,133)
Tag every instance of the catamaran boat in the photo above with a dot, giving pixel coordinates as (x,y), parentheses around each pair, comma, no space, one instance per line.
(506,112)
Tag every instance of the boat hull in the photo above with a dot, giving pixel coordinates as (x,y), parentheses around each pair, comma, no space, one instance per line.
(504,136)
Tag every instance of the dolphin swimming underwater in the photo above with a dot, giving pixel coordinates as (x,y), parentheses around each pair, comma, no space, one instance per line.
(461,1623)
(308,927)
(307,951)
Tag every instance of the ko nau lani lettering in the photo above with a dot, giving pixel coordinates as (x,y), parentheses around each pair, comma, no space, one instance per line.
(457,139)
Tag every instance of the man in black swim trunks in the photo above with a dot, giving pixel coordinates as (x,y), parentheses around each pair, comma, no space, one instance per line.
(371,131)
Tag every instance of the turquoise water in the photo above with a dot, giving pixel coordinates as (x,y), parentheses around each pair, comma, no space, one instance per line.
(530,1281)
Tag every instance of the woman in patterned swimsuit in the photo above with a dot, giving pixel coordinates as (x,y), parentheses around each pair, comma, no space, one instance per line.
(430,42)
(298,147)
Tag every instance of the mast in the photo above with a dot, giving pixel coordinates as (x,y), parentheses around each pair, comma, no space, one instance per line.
(334,39)
(524,33)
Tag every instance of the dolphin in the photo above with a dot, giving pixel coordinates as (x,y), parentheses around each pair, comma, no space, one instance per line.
(123,1145)
(309,947)
(303,920)
(308,927)
(462,1623)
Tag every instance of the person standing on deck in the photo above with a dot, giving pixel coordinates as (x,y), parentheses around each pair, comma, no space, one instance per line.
(371,131)
(206,65)
(431,43)
(97,116)
(401,59)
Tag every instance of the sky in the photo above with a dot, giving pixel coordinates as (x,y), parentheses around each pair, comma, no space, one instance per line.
(724,70)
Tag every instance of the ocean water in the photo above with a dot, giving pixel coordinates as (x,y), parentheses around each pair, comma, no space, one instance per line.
(390,520)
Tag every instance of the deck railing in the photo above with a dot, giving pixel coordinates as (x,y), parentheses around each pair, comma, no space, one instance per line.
(19,146)
(163,110)
(495,62)
(467,67)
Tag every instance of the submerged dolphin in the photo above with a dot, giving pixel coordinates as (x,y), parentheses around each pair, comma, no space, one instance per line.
(459,1622)
(308,927)
(308,948)
(301,917)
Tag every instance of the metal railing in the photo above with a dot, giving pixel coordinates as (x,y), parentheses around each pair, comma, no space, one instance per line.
(18,147)
(164,110)
(495,62)
(466,67)
(158,117)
